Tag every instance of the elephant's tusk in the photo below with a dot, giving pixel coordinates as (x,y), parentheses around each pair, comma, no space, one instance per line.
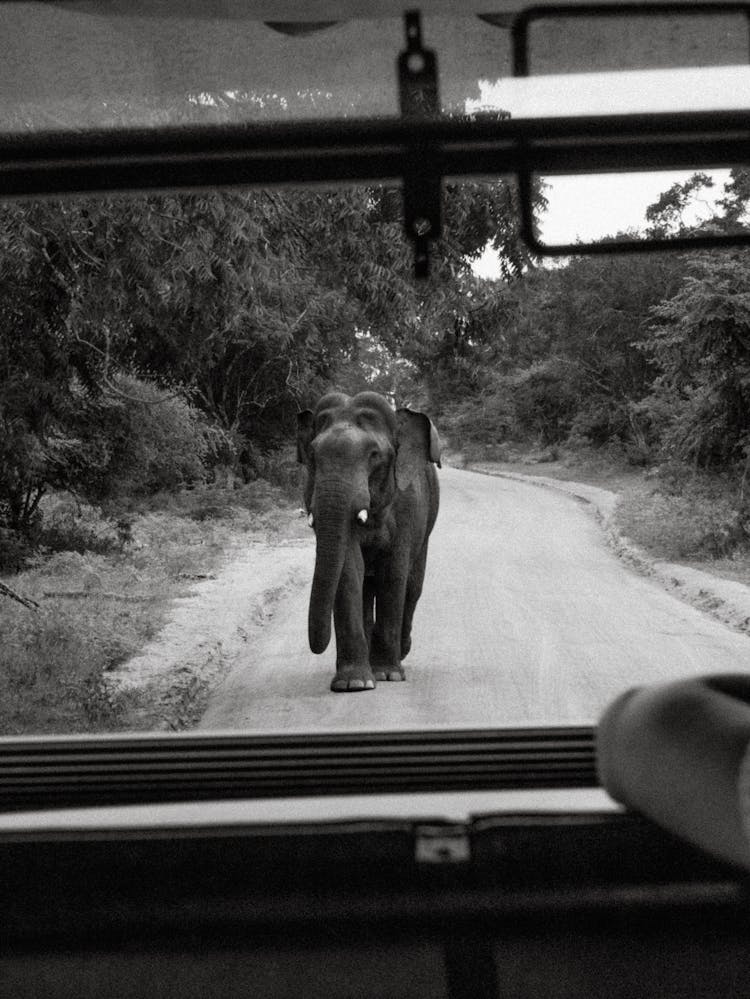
(310,519)
(362,516)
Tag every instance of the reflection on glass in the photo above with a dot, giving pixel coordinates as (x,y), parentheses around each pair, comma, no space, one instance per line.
(643,91)
(99,65)
(95,64)
(92,65)
(592,43)
(644,206)
(619,64)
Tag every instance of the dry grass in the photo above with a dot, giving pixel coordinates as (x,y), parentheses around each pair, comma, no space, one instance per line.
(96,610)
(693,525)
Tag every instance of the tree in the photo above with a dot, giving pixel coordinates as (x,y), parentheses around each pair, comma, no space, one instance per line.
(248,303)
(39,364)
(701,344)
(667,213)
(737,197)
(568,338)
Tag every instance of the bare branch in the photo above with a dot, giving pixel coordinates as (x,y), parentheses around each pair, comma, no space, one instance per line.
(25,601)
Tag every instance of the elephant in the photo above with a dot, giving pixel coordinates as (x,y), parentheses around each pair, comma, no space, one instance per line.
(372,496)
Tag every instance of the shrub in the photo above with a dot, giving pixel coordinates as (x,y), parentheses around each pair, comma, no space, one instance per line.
(687,516)
(281,469)
(157,440)
(545,401)
(51,669)
(482,421)
(700,342)
(538,403)
(75,527)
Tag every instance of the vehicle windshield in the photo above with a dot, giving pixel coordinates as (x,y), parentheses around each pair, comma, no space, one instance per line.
(191,540)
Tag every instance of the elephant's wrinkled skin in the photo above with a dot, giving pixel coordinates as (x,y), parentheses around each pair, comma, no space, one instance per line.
(372,493)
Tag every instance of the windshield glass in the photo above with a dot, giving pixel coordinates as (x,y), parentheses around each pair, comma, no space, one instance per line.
(191,539)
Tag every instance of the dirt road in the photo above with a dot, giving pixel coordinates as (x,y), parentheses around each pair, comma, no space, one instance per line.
(526,618)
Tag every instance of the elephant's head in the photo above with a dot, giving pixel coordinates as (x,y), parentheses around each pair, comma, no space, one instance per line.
(358,452)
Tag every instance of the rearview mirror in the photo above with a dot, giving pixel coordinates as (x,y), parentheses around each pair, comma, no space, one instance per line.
(633,59)
(642,207)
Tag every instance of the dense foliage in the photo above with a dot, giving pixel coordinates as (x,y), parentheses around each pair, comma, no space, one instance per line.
(647,354)
(144,341)
(147,342)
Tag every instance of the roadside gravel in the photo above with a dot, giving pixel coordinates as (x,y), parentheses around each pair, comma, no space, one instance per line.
(172,678)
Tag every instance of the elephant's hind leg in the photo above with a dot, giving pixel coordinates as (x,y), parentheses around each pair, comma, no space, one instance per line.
(368,607)
(413,593)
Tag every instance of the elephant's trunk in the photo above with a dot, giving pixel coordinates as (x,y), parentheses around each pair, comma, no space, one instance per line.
(332,518)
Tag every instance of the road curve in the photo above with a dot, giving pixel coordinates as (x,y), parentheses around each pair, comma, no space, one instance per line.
(526,618)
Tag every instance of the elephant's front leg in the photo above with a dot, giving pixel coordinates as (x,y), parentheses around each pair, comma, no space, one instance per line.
(385,647)
(353,671)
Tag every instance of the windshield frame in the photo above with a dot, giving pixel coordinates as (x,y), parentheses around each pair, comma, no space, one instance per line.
(72,771)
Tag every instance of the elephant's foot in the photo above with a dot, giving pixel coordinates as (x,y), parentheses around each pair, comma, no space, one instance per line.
(389,673)
(352,679)
(384,657)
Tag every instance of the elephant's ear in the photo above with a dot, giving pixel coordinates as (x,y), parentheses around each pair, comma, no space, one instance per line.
(305,432)
(417,442)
